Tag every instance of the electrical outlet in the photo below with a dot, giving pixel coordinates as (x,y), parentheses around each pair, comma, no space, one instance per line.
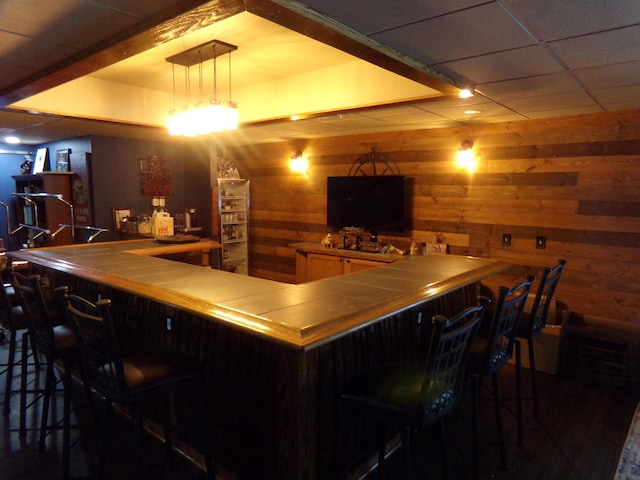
(541,242)
(506,239)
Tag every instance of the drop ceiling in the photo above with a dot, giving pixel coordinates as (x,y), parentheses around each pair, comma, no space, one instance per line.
(526,59)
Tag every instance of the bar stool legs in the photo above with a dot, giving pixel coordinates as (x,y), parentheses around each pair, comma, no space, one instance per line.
(50,386)
(23,364)
(519,414)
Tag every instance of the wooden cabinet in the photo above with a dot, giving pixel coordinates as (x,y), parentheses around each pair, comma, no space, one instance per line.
(43,201)
(316,263)
(352,265)
(323,266)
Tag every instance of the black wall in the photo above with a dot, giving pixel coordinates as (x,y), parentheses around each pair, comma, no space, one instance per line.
(115,166)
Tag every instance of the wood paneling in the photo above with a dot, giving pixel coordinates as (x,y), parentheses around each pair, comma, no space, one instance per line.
(573,179)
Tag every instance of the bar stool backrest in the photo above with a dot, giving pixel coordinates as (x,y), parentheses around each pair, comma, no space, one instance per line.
(34,306)
(6,305)
(546,289)
(502,334)
(447,358)
(98,344)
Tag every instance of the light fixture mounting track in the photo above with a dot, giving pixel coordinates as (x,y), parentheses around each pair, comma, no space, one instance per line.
(202,53)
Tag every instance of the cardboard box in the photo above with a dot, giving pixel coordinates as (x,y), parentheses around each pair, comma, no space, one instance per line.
(547,350)
(546,345)
(163,225)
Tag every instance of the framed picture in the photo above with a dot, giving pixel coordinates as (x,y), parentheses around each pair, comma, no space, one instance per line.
(120,219)
(41,160)
(62,160)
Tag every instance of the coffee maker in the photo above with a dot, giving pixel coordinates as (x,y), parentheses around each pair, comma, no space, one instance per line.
(191,220)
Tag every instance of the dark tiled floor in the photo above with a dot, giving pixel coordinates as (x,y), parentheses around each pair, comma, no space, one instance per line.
(581,434)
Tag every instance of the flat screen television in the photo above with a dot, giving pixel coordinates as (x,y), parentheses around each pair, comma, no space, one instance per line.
(374,203)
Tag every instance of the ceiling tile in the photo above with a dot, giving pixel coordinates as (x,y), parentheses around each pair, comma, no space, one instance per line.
(468,33)
(63,22)
(410,116)
(486,109)
(137,9)
(31,54)
(552,19)
(461,103)
(30,18)
(549,102)
(605,48)
(609,75)
(352,121)
(493,67)
(629,104)
(609,96)
(569,111)
(530,86)
(383,14)
(507,117)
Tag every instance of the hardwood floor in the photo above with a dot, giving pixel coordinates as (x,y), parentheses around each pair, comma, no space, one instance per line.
(580,436)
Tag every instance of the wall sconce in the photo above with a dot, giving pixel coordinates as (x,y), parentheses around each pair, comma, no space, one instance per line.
(299,164)
(466,158)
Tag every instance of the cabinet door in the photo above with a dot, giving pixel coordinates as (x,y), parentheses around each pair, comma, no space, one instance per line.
(324,266)
(352,265)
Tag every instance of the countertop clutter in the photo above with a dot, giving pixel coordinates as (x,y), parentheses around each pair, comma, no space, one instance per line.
(304,315)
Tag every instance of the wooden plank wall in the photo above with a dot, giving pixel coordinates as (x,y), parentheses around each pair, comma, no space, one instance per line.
(574,180)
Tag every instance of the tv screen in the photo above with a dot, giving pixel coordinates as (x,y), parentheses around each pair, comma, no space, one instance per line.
(375,203)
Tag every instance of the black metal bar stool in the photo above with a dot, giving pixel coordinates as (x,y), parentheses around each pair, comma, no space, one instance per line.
(415,396)
(532,322)
(54,342)
(491,352)
(15,324)
(130,380)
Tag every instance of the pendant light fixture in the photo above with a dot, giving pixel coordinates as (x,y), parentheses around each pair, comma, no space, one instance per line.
(199,116)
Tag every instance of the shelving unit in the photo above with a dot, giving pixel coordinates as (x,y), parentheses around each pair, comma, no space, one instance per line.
(43,204)
(233,208)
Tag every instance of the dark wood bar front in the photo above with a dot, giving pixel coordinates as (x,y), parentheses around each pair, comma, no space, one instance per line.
(272,354)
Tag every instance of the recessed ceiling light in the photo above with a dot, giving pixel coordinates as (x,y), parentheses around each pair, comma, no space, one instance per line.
(12,139)
(472,112)
(294,117)
(466,93)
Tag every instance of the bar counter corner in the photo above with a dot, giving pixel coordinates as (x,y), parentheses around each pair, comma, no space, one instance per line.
(273,354)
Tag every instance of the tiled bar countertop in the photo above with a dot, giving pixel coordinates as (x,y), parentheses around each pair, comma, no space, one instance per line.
(305,315)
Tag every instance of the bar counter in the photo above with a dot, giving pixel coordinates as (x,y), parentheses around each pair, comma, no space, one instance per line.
(273,354)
